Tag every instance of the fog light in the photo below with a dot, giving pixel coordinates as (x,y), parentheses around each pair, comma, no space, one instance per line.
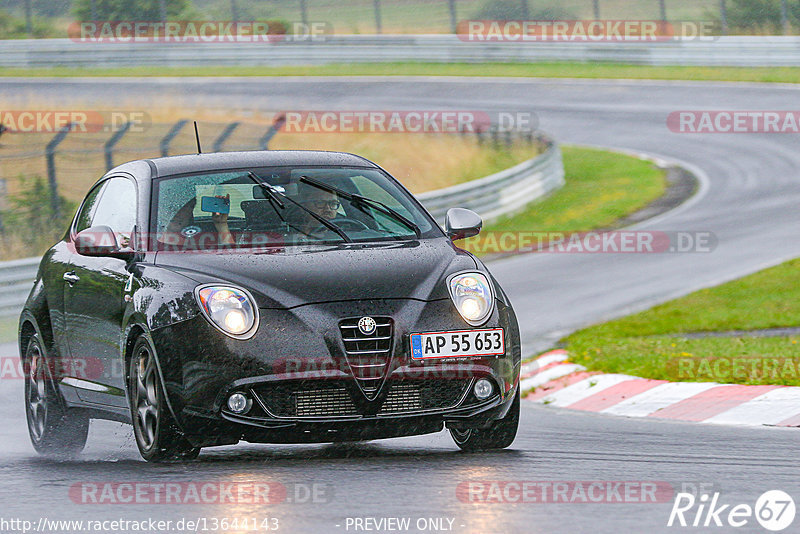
(483,389)
(238,403)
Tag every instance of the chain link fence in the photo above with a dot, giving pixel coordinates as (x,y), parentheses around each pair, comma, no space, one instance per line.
(44,175)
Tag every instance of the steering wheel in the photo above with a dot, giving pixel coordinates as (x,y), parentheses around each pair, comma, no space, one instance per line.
(345,223)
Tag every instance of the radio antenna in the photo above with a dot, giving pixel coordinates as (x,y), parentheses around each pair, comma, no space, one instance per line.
(197,136)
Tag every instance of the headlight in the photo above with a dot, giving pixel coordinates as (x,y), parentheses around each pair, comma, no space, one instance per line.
(229,309)
(473,296)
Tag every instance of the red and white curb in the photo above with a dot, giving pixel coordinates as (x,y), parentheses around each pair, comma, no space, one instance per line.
(567,385)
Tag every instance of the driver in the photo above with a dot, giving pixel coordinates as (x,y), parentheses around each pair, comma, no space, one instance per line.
(323,203)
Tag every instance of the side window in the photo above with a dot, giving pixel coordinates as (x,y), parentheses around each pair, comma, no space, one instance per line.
(88,209)
(117,206)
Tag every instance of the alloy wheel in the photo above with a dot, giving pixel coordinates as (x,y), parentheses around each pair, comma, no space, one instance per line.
(146,402)
(37,392)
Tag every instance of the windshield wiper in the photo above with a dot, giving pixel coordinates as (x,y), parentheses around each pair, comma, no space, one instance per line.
(357,200)
(276,195)
(267,188)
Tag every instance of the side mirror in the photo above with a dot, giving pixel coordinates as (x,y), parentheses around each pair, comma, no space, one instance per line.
(462,223)
(101,241)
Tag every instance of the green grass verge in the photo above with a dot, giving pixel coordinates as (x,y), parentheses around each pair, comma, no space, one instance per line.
(601,188)
(542,70)
(650,344)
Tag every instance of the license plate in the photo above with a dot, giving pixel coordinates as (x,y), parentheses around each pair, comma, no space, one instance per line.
(462,343)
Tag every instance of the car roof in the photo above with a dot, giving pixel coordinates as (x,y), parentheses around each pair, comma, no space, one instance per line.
(237,160)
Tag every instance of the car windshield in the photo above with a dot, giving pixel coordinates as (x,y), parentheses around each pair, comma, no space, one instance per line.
(230,209)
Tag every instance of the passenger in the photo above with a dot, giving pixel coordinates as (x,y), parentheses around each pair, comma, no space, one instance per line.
(182,226)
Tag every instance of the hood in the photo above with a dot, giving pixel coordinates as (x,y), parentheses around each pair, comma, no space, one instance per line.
(296,276)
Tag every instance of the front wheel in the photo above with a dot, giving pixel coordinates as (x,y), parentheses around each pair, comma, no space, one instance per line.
(53,428)
(498,436)
(157,435)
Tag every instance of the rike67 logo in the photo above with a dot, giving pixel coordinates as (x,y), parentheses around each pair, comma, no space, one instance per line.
(774,510)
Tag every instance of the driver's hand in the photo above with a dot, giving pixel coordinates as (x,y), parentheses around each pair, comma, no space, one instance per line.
(221,223)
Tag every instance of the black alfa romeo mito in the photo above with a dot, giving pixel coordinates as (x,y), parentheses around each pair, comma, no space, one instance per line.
(272,297)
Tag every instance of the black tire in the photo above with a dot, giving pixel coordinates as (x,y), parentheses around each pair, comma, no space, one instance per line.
(53,428)
(158,437)
(498,436)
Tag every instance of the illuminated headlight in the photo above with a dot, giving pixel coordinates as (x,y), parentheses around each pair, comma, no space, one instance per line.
(473,296)
(229,309)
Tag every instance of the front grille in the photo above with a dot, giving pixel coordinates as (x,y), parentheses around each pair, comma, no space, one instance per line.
(368,355)
(417,395)
(331,399)
(320,402)
(302,399)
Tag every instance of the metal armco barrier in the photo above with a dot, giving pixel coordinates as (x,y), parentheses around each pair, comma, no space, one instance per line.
(742,51)
(492,196)
(502,193)
(16,281)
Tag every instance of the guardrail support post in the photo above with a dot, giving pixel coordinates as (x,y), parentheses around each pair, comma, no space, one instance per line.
(50,155)
(176,128)
(109,147)
(226,133)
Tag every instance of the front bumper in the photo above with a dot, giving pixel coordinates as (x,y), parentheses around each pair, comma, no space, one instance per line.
(296,371)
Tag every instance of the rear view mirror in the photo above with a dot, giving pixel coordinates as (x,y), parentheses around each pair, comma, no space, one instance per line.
(101,241)
(288,189)
(462,223)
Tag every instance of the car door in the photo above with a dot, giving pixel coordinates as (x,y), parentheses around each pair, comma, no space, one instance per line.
(94,296)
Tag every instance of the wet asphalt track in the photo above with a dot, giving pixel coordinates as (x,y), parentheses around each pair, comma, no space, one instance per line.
(749,200)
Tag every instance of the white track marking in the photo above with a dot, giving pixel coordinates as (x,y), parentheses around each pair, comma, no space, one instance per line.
(585,388)
(659,397)
(538,363)
(768,409)
(550,374)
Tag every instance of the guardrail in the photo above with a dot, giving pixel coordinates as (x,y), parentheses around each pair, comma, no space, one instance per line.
(742,51)
(502,193)
(493,196)
(16,281)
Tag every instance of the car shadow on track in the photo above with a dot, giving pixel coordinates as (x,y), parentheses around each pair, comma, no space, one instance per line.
(248,455)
